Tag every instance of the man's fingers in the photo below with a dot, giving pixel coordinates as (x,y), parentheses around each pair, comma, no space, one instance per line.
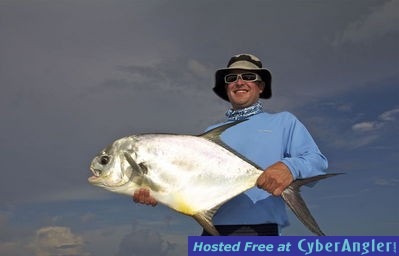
(136,197)
(278,191)
(153,202)
(142,196)
(260,181)
(266,183)
(263,181)
(271,184)
(139,196)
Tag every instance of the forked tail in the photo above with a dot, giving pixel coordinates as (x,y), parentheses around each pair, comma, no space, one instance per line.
(294,200)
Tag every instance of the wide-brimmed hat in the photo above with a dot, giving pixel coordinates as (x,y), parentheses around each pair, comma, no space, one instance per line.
(243,62)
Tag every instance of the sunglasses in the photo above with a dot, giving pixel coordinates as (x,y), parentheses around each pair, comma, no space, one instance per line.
(248,77)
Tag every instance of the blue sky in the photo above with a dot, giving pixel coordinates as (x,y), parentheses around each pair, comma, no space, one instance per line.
(76,75)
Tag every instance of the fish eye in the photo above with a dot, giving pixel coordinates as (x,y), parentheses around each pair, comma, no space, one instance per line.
(104,159)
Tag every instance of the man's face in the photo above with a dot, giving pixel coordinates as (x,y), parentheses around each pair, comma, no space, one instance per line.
(243,93)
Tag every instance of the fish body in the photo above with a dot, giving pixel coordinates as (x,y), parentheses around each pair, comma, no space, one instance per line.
(193,175)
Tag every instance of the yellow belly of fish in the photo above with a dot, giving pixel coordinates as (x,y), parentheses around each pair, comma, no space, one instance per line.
(181,205)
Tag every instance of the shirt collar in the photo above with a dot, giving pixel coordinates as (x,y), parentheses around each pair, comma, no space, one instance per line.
(240,114)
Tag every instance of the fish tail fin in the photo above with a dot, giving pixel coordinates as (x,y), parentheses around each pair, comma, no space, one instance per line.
(294,200)
(204,218)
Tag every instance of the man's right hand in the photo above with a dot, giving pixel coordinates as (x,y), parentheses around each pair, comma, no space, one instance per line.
(142,196)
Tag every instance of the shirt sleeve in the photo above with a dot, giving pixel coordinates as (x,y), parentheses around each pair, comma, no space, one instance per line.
(302,156)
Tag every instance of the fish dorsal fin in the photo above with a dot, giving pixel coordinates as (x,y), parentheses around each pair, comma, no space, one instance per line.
(204,218)
(294,200)
(214,136)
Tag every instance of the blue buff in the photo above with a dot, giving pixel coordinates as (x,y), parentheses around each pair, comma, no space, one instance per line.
(266,139)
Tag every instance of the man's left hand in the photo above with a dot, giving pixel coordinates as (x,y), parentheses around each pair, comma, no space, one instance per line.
(275,179)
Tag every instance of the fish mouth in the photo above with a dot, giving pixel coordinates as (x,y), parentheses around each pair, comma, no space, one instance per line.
(96,172)
(96,175)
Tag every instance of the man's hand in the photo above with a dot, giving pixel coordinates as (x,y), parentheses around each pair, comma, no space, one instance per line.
(143,196)
(275,179)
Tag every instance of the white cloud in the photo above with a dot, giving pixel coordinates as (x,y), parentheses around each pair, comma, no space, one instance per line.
(60,241)
(390,115)
(382,21)
(366,126)
(387,116)
(47,241)
(343,133)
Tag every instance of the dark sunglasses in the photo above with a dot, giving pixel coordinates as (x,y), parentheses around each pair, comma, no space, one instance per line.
(248,77)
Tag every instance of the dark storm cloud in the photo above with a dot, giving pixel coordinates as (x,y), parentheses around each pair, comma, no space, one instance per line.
(74,76)
(65,73)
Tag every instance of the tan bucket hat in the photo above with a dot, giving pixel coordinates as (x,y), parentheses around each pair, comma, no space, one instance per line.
(243,62)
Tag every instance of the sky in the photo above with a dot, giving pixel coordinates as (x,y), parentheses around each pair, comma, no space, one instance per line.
(76,75)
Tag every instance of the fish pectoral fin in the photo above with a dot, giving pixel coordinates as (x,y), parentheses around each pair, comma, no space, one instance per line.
(294,200)
(143,168)
(139,172)
(204,218)
(138,169)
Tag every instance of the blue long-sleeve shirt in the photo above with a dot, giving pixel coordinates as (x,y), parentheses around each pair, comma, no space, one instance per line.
(266,139)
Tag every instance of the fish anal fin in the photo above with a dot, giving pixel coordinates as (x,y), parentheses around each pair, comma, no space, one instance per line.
(204,218)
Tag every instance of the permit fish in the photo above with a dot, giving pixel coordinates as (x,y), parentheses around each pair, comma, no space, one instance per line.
(191,174)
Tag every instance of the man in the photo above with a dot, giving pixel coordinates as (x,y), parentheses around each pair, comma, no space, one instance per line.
(279,143)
